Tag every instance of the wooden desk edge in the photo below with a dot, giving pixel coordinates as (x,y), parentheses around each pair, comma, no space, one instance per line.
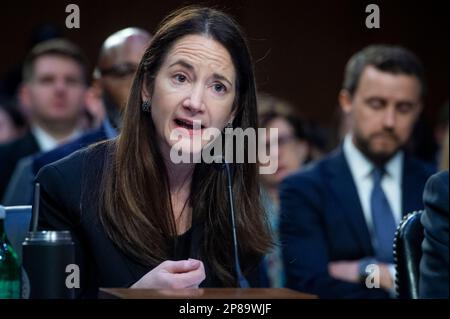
(203,293)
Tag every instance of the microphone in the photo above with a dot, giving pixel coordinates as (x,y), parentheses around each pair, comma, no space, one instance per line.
(220,163)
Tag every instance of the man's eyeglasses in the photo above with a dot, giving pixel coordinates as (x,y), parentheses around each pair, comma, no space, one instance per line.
(120,70)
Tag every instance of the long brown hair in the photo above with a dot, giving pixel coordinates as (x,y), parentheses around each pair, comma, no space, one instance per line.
(135,207)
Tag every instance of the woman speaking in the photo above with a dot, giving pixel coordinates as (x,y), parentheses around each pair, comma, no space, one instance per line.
(140,220)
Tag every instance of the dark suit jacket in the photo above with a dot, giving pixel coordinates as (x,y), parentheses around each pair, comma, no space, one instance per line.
(42,159)
(322,221)
(434,263)
(21,188)
(11,153)
(69,190)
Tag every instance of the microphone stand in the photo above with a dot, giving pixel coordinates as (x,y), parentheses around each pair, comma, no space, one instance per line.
(242,282)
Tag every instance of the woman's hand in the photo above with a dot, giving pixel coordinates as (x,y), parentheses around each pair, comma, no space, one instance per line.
(173,275)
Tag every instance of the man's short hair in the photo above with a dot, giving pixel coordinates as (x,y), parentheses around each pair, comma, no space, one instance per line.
(60,47)
(391,59)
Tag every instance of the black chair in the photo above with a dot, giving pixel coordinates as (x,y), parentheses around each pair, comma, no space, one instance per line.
(407,255)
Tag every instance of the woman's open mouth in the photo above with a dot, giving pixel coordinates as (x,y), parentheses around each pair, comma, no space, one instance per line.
(191,126)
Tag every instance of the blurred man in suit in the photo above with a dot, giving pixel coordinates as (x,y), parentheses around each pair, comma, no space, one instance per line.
(339,215)
(53,92)
(118,60)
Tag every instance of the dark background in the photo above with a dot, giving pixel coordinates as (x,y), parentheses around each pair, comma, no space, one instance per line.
(299,47)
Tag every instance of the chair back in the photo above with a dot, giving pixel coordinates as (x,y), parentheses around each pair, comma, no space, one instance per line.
(407,255)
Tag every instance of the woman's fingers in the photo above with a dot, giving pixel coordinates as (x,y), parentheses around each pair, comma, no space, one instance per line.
(191,278)
(174,275)
(180,266)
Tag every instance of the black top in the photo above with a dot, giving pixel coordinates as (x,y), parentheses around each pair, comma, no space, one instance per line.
(68,193)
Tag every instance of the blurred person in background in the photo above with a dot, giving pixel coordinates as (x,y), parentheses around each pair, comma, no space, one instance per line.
(293,144)
(339,215)
(53,93)
(11,80)
(105,99)
(293,151)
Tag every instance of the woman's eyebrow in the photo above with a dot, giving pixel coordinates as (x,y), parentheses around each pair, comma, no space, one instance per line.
(189,66)
(183,63)
(217,76)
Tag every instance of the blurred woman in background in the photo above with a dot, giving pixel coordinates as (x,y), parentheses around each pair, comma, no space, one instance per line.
(293,152)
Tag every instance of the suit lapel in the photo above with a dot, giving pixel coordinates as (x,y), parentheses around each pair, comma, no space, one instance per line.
(344,188)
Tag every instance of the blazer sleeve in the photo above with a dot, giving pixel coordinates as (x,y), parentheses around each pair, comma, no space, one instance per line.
(304,242)
(59,202)
(434,264)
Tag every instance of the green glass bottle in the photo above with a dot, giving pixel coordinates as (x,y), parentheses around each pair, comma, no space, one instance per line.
(9,268)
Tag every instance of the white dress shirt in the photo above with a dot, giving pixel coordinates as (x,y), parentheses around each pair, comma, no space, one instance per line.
(361,169)
(46,142)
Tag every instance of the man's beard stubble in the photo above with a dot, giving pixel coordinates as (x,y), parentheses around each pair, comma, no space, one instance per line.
(378,158)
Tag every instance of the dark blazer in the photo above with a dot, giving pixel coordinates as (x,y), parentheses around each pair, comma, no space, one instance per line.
(434,263)
(20,188)
(322,221)
(69,191)
(11,153)
(42,159)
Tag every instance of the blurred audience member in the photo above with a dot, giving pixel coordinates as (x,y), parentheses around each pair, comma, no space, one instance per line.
(293,151)
(10,82)
(12,123)
(118,61)
(53,92)
(110,87)
(339,215)
(293,145)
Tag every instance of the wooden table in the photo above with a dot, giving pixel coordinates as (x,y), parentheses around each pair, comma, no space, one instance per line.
(203,293)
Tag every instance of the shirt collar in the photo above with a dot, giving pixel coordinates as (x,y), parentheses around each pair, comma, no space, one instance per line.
(361,167)
(394,168)
(47,142)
